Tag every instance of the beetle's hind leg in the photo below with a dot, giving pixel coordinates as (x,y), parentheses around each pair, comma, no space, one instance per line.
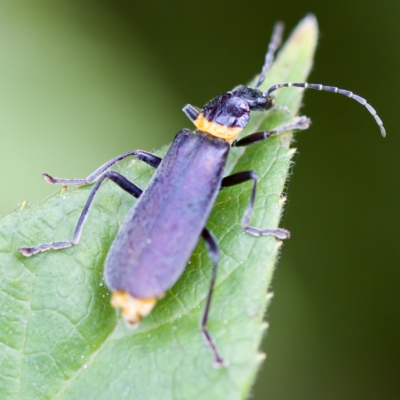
(150,159)
(214,255)
(117,178)
(241,177)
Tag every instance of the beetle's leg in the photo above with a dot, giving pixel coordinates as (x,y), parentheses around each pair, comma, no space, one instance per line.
(277,107)
(120,180)
(241,177)
(144,156)
(214,255)
(297,123)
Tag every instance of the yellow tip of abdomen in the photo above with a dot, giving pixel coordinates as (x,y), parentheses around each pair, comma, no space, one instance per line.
(133,309)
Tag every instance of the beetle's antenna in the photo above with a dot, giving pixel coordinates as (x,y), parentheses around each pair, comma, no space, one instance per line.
(333,89)
(276,40)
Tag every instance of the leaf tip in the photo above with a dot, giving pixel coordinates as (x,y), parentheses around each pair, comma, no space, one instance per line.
(260,357)
(310,23)
(269,296)
(306,30)
(264,325)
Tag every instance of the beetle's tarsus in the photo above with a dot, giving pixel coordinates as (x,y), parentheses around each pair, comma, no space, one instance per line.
(27,251)
(30,251)
(218,360)
(48,178)
(279,233)
(301,123)
(58,181)
(277,107)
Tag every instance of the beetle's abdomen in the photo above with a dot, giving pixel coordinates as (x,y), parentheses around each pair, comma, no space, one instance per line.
(161,231)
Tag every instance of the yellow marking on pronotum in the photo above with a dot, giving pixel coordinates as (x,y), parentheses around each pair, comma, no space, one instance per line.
(133,309)
(229,134)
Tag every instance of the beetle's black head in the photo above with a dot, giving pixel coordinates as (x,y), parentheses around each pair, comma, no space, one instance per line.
(226,115)
(232,109)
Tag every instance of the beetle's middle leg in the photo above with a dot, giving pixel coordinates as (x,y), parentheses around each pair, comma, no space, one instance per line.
(241,177)
(214,255)
(150,159)
(117,178)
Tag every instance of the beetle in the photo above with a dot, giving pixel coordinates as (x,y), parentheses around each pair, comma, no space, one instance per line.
(163,227)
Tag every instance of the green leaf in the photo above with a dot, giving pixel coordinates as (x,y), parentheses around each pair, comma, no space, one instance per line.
(59,336)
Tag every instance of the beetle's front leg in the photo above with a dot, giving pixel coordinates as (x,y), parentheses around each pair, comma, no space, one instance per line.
(297,123)
(241,177)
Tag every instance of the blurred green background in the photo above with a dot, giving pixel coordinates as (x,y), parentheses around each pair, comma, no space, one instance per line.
(82,81)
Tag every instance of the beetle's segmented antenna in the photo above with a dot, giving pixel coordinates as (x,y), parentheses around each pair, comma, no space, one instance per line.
(332,89)
(276,40)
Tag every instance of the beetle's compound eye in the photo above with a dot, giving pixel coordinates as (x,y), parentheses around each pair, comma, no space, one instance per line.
(263,103)
(267,102)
